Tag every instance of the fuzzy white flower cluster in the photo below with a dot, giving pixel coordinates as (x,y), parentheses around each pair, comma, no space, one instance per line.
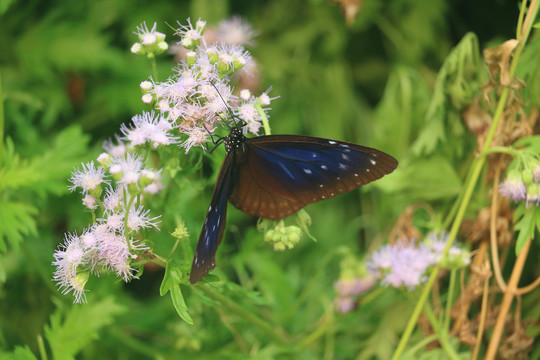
(113,191)
(199,96)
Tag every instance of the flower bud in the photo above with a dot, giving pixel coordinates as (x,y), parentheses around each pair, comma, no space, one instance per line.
(104,159)
(161,47)
(137,49)
(180,232)
(191,58)
(527,177)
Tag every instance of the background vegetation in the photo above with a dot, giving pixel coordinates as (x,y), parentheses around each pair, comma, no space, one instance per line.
(407,77)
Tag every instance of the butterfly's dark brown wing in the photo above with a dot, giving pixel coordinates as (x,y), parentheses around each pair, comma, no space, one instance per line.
(281,174)
(214,224)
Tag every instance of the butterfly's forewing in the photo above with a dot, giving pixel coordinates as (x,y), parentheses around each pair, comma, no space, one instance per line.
(214,224)
(281,174)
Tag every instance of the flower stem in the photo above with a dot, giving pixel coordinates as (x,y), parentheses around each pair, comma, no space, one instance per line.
(442,335)
(264,118)
(449,300)
(509,295)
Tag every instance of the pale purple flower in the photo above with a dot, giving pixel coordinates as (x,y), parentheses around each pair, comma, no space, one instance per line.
(70,254)
(88,178)
(513,186)
(128,168)
(149,127)
(236,31)
(354,286)
(114,220)
(190,36)
(116,150)
(197,137)
(344,304)
(251,116)
(67,258)
(113,199)
(138,218)
(401,264)
(90,202)
(149,37)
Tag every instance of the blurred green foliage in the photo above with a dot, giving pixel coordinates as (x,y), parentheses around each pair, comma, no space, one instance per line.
(397,79)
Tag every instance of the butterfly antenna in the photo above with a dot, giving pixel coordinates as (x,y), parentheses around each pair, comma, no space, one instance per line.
(234,117)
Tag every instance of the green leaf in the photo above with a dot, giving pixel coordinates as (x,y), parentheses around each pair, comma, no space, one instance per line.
(180,304)
(171,282)
(458,80)
(69,332)
(526,220)
(16,220)
(20,353)
(423,179)
(46,172)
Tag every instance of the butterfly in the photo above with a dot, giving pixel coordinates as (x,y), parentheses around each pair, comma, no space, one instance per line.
(274,176)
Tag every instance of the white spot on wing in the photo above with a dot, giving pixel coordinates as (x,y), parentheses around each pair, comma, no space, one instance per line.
(345,157)
(324,167)
(307,171)
(332,142)
(373,162)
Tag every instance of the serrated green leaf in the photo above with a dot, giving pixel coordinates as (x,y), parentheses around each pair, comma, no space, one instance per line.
(19,353)
(526,225)
(16,220)
(180,304)
(457,81)
(69,332)
(47,172)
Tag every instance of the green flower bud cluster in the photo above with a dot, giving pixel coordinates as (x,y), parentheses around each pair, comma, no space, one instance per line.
(280,236)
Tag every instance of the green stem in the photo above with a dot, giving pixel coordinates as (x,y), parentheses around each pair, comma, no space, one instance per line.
(409,354)
(319,331)
(373,295)
(470,185)
(449,300)
(264,118)
(154,68)
(277,334)
(41,347)
(442,335)
(502,150)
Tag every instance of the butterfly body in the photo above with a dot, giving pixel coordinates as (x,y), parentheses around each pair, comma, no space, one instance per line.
(274,176)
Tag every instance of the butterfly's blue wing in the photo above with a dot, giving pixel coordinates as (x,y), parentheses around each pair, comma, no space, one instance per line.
(214,224)
(281,174)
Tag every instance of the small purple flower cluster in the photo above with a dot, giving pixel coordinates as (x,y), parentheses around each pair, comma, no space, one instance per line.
(522,186)
(405,263)
(348,289)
